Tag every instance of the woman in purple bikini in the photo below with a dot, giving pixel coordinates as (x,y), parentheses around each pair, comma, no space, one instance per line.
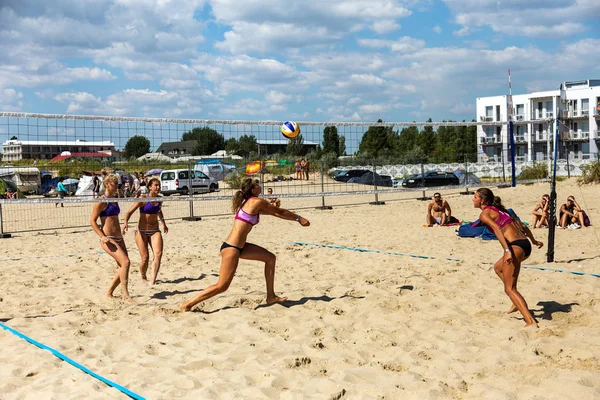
(247,207)
(147,232)
(110,235)
(515,244)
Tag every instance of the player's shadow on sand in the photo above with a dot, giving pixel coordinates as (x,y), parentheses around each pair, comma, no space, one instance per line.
(291,303)
(551,307)
(164,294)
(184,279)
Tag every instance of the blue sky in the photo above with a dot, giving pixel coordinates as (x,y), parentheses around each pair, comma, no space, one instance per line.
(345,60)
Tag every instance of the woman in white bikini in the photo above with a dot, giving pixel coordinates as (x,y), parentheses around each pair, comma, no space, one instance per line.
(247,207)
(147,232)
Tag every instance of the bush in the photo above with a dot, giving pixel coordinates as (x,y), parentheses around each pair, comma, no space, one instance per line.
(536,171)
(234,181)
(590,173)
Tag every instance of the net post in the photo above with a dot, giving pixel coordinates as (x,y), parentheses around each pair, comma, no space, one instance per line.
(2,234)
(376,202)
(467,191)
(552,206)
(323,206)
(192,217)
(424,197)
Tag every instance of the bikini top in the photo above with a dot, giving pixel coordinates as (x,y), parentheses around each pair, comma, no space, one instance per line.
(242,215)
(150,208)
(111,209)
(503,218)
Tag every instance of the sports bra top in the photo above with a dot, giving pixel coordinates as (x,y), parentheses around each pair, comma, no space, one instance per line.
(503,218)
(150,208)
(242,215)
(111,209)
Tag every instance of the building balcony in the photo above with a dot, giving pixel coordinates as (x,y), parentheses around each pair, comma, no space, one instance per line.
(579,156)
(597,112)
(576,135)
(489,140)
(596,134)
(521,158)
(540,136)
(585,113)
(520,139)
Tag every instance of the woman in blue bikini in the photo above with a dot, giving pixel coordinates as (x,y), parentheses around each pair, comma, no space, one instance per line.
(247,207)
(515,244)
(110,235)
(147,232)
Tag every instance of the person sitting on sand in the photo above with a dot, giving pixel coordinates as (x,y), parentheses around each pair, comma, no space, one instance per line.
(540,213)
(438,212)
(247,207)
(515,244)
(273,199)
(110,235)
(571,213)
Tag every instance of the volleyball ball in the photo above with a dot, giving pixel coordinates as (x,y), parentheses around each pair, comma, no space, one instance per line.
(290,129)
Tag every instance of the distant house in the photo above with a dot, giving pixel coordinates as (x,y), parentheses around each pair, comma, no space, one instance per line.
(13,150)
(177,149)
(272,146)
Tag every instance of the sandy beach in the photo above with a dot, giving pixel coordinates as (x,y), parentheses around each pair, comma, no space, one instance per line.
(357,325)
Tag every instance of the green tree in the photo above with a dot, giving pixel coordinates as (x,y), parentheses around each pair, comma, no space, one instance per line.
(375,141)
(407,140)
(331,140)
(341,146)
(209,140)
(136,147)
(232,146)
(295,146)
(14,138)
(247,144)
(427,140)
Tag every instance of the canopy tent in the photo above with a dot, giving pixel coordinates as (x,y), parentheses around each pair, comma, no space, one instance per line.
(215,168)
(462,177)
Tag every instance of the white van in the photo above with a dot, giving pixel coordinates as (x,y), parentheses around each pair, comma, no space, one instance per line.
(178,181)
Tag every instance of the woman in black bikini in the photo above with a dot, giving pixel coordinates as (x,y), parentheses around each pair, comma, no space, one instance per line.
(147,232)
(515,244)
(111,239)
(247,207)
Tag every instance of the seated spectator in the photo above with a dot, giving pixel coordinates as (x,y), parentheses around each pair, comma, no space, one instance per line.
(273,199)
(571,215)
(438,212)
(9,194)
(540,213)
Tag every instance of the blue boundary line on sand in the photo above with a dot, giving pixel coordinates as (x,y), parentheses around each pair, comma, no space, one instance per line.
(434,258)
(393,253)
(74,363)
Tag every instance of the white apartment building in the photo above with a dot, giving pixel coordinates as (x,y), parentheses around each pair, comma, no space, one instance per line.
(577,106)
(13,150)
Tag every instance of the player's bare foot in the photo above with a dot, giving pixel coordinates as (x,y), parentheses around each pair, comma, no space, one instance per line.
(185,308)
(275,299)
(531,324)
(110,296)
(129,300)
(512,309)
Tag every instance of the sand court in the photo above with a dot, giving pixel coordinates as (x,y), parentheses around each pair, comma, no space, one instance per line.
(357,324)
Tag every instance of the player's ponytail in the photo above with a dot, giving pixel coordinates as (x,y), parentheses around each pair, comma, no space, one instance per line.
(243,194)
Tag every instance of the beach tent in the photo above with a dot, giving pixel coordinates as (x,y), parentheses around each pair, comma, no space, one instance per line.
(369,179)
(85,186)
(8,184)
(155,157)
(26,179)
(462,176)
(215,168)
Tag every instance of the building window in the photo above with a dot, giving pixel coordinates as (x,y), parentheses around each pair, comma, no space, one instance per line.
(585,106)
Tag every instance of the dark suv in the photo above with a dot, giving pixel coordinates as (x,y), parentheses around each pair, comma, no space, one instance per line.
(345,176)
(431,179)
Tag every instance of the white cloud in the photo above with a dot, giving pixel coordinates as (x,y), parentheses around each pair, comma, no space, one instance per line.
(404,44)
(536,18)
(11,100)
(461,108)
(437,29)
(385,26)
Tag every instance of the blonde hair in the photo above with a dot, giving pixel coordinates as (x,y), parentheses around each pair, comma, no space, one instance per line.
(109,178)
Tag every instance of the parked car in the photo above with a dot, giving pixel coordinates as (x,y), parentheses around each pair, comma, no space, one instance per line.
(177,181)
(431,179)
(345,176)
(370,178)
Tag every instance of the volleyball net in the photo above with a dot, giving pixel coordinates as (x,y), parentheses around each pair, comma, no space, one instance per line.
(328,164)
